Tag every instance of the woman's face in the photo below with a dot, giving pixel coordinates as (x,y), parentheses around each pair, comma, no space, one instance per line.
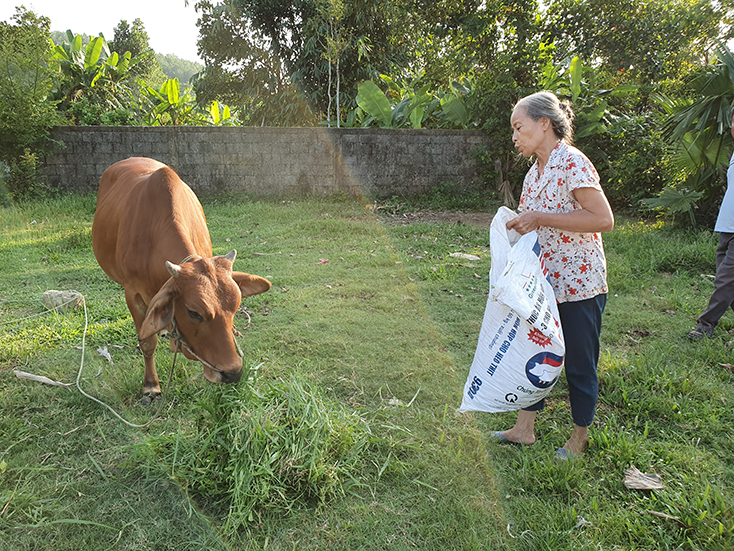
(527,134)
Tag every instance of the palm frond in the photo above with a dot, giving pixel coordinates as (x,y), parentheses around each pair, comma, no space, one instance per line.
(672,201)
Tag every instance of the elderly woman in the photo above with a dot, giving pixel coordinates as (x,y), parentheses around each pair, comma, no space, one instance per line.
(563,201)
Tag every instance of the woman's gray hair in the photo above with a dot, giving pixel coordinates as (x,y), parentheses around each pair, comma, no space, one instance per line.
(546,104)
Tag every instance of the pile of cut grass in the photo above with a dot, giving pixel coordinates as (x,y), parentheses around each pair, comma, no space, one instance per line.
(271,447)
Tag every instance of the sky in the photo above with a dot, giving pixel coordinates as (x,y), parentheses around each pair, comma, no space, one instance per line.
(170,24)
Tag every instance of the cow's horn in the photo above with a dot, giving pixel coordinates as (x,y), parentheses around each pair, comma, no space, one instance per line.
(173,269)
(231,255)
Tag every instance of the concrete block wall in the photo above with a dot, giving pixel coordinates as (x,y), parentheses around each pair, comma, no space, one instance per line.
(274,161)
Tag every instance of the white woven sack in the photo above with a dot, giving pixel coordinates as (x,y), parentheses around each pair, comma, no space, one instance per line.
(520,352)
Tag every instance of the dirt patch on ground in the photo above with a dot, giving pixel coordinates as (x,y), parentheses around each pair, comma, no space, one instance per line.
(480,219)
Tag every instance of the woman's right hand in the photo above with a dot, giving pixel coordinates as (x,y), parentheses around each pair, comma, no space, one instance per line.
(525,222)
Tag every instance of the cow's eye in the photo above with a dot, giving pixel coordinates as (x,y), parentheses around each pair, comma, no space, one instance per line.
(195,315)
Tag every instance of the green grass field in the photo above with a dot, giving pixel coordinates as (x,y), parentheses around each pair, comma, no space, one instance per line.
(346,434)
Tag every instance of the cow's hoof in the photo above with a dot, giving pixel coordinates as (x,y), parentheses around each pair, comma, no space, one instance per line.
(149,398)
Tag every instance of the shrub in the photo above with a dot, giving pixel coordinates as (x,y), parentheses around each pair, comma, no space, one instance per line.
(26,111)
(491,103)
(85,112)
(4,175)
(23,181)
(631,160)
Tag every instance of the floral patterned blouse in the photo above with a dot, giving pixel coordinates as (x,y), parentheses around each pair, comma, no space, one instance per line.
(575,261)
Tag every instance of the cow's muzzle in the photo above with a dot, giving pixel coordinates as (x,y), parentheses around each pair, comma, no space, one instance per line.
(230,377)
(219,376)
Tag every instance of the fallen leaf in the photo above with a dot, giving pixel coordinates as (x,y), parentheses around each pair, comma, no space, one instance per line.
(582,523)
(636,480)
(730,367)
(105,354)
(465,256)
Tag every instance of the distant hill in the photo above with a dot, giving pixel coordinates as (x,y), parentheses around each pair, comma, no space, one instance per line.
(175,67)
(59,37)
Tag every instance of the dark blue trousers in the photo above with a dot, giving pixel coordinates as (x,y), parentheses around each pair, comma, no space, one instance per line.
(581,323)
(723,296)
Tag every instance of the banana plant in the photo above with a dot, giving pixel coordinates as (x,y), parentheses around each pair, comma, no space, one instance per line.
(568,82)
(373,101)
(413,106)
(168,105)
(219,114)
(90,70)
(452,106)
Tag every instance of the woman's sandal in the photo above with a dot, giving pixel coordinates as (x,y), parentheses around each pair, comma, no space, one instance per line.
(563,455)
(502,439)
(700,332)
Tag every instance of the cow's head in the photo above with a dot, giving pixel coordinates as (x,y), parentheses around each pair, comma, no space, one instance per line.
(203,296)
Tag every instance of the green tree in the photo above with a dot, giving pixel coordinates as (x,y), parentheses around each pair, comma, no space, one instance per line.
(134,39)
(640,41)
(27,111)
(330,18)
(503,38)
(627,149)
(268,52)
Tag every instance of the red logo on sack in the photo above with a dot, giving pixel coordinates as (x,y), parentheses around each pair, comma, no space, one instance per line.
(538,338)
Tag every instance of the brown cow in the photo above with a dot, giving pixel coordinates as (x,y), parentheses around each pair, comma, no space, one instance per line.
(150,236)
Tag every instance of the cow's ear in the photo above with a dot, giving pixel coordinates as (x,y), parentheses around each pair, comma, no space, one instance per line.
(160,311)
(250,284)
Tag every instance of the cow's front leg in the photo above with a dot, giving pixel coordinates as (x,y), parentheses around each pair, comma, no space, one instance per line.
(138,309)
(151,384)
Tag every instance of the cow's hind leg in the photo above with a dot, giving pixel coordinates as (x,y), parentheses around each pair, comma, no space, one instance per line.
(151,384)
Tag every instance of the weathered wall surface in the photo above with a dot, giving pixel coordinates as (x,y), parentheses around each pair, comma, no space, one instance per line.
(274,161)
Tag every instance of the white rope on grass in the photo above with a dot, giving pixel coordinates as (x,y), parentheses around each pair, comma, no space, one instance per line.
(79,375)
(56,309)
(81,365)
(23,375)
